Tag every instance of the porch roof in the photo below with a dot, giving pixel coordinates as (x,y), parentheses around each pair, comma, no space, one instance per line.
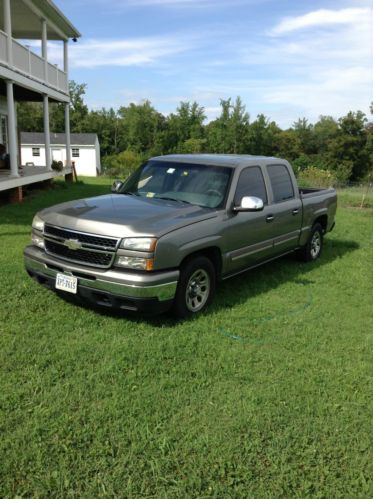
(26,24)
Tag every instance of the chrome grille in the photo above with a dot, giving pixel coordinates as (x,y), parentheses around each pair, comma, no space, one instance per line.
(80,247)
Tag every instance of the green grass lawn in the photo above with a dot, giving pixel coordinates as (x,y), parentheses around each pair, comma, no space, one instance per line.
(267,394)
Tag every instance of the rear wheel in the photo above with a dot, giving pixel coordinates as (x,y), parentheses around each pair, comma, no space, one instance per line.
(312,250)
(196,287)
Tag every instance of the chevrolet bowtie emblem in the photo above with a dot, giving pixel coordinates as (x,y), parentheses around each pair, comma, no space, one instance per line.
(73,244)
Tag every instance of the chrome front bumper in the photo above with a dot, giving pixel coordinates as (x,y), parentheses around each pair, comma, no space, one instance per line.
(157,285)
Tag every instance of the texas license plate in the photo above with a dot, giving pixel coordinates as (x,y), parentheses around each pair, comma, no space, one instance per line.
(67,283)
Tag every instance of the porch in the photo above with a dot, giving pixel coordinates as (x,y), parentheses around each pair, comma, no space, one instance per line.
(28,76)
(30,175)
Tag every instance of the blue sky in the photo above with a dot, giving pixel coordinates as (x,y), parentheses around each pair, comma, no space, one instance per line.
(287,59)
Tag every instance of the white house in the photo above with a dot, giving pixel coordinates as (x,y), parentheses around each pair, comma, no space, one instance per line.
(27,76)
(85,151)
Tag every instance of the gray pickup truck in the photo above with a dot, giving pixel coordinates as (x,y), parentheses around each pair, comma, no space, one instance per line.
(180,223)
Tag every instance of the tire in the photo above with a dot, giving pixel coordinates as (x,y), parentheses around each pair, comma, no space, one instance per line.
(196,287)
(312,250)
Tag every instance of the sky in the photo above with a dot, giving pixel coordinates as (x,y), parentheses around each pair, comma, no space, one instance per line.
(287,59)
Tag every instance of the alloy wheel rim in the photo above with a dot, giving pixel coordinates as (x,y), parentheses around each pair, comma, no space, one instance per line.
(197,290)
(315,244)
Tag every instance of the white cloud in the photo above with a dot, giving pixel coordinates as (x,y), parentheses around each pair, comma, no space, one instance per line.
(334,92)
(145,51)
(322,17)
(141,51)
(316,63)
(321,62)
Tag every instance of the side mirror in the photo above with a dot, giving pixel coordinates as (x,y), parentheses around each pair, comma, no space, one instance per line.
(250,203)
(116,185)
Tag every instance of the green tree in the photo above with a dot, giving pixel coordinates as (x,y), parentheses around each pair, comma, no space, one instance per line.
(261,136)
(139,125)
(347,151)
(229,133)
(105,122)
(30,117)
(185,124)
(286,144)
(304,131)
(78,110)
(325,130)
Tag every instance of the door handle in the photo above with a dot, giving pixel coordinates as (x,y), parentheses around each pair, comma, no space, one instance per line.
(296,211)
(270,218)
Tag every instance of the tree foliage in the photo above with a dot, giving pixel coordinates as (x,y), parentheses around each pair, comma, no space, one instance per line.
(342,149)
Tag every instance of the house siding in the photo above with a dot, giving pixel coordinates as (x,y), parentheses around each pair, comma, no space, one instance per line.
(85,165)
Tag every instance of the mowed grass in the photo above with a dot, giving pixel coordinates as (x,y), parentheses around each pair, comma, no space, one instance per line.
(267,394)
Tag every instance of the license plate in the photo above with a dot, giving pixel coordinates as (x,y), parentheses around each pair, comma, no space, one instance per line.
(67,283)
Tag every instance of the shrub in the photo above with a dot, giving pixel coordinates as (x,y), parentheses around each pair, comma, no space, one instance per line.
(193,146)
(122,164)
(315,177)
(57,165)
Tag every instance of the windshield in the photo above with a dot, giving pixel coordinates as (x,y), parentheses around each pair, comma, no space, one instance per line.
(202,185)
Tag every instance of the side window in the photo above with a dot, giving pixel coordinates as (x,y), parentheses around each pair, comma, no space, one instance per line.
(250,183)
(282,186)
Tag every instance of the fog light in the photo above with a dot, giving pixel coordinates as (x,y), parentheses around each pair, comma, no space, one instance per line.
(134,262)
(37,241)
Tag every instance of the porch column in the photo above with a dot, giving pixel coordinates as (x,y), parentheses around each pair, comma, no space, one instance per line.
(66,57)
(67,133)
(44,47)
(12,139)
(47,139)
(8,31)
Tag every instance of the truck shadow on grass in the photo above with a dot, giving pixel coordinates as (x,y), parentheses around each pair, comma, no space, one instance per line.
(241,288)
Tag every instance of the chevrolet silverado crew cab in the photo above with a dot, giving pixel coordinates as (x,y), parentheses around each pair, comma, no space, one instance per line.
(165,236)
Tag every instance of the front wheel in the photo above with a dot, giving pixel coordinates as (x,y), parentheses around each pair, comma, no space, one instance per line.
(196,287)
(312,250)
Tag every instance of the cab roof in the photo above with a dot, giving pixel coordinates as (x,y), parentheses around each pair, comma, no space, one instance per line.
(231,160)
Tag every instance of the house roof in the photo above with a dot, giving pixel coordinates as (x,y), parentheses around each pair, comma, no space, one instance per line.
(76,139)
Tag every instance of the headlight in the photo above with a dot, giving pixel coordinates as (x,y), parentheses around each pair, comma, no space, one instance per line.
(134,262)
(139,243)
(38,223)
(37,241)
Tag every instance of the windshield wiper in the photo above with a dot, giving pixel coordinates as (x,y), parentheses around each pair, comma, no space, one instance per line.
(172,199)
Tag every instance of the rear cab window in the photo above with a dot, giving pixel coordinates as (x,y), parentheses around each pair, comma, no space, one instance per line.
(281,183)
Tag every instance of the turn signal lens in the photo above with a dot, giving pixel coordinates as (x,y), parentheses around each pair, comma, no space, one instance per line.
(37,241)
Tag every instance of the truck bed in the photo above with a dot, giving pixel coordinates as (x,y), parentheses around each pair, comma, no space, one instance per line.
(306,192)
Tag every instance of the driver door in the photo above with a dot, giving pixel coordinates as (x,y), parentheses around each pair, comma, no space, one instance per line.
(248,237)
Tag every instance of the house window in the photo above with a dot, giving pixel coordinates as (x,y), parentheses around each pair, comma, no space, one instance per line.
(75,152)
(36,151)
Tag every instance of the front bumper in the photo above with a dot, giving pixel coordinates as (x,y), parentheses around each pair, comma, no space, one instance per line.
(146,292)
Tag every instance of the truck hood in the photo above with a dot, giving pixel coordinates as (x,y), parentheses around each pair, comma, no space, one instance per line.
(120,215)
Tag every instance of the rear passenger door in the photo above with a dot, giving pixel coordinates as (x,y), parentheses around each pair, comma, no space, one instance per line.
(285,209)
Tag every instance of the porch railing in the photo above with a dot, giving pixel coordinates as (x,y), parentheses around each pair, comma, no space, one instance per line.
(32,65)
